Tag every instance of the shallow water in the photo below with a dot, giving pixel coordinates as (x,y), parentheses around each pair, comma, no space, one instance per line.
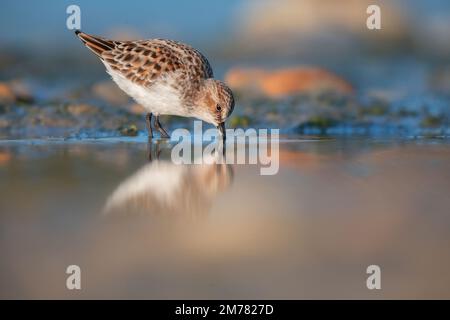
(152,229)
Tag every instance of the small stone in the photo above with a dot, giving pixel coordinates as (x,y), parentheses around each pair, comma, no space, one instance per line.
(21,91)
(5,157)
(431,122)
(7,95)
(4,123)
(78,109)
(129,131)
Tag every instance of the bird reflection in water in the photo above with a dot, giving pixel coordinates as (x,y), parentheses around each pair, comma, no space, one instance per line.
(162,188)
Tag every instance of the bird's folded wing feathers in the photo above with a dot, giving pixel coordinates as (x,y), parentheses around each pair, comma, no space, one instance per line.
(144,61)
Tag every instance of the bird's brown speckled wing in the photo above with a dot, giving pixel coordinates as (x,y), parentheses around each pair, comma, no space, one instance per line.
(147,61)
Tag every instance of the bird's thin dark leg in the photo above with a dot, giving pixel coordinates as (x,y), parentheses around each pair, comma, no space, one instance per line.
(158,127)
(149,149)
(148,122)
(158,150)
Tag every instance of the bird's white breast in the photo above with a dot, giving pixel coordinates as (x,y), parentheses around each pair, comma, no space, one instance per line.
(160,98)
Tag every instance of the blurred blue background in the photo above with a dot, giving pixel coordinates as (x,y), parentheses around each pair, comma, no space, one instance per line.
(42,23)
(400,71)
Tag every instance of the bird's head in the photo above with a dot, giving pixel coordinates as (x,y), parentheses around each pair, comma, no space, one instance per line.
(215,102)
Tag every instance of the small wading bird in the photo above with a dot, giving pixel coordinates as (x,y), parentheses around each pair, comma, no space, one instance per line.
(166,77)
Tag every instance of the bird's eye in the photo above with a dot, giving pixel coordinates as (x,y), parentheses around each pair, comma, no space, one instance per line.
(218,108)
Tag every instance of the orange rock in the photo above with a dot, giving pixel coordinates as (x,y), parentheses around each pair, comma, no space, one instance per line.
(5,157)
(288,81)
(245,78)
(7,95)
(21,91)
(13,91)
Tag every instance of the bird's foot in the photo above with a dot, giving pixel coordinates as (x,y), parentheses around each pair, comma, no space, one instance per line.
(164,134)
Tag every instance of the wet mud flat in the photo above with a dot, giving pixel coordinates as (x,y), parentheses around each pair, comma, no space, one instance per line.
(153,229)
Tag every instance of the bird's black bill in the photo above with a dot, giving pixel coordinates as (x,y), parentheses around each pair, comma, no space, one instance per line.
(221,128)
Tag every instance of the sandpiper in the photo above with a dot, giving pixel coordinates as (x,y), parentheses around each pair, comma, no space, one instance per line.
(166,77)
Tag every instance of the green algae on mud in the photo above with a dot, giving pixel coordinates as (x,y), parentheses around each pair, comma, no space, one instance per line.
(92,114)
